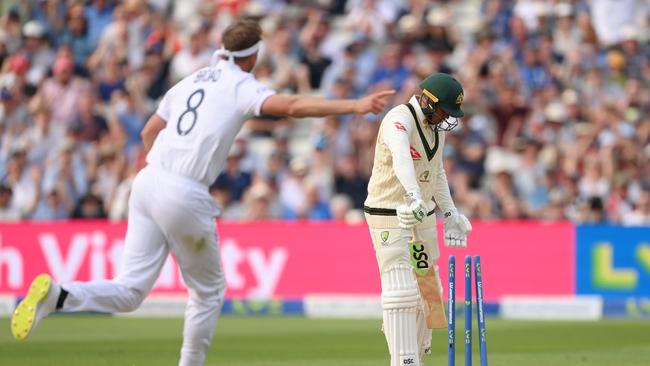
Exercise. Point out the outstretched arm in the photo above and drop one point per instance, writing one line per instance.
(308, 106)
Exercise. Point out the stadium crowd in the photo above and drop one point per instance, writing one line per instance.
(557, 102)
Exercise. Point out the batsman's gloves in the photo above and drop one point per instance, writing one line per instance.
(457, 227)
(411, 213)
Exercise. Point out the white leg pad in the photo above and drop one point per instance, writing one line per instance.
(400, 299)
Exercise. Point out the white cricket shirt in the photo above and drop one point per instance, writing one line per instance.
(204, 112)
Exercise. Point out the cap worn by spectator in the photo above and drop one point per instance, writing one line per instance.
(555, 112)
(570, 97)
(407, 24)
(33, 29)
(298, 166)
(437, 18)
(259, 191)
(563, 9)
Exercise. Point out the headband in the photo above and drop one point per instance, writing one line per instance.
(232, 54)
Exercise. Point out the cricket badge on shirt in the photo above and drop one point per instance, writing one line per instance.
(415, 155)
(384, 235)
(424, 177)
(400, 127)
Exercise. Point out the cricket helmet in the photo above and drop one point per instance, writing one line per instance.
(443, 91)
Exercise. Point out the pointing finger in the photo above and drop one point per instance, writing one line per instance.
(385, 93)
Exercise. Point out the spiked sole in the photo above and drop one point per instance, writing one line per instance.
(22, 321)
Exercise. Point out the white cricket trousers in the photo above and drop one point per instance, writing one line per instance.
(166, 212)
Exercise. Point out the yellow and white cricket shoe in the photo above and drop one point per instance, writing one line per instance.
(40, 302)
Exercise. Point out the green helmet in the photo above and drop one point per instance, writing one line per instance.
(445, 91)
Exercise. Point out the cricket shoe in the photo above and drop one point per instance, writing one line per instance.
(40, 302)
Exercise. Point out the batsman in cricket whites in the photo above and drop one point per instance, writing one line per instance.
(408, 183)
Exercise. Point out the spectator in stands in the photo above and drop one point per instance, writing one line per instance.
(349, 181)
(90, 206)
(23, 181)
(111, 77)
(233, 177)
(53, 206)
(89, 124)
(340, 206)
(38, 51)
(293, 195)
(76, 35)
(392, 70)
(640, 215)
(99, 14)
(8, 212)
(42, 138)
(313, 62)
(194, 55)
(60, 94)
(260, 203)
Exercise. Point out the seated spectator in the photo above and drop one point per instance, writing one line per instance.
(340, 206)
(99, 14)
(260, 203)
(194, 55)
(349, 181)
(53, 206)
(112, 78)
(76, 36)
(8, 212)
(60, 94)
(38, 51)
(90, 125)
(90, 206)
(293, 196)
(24, 182)
(233, 177)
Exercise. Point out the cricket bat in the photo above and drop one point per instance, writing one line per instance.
(428, 283)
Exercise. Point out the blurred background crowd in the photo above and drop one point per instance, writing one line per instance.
(557, 95)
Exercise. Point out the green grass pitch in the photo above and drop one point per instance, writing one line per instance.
(294, 341)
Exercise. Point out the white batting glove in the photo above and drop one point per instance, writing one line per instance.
(412, 213)
(456, 228)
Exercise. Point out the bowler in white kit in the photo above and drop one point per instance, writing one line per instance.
(170, 209)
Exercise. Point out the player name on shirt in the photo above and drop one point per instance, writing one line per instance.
(208, 74)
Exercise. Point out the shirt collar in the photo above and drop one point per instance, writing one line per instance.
(418, 111)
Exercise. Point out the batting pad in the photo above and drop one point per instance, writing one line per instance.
(400, 299)
(431, 293)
